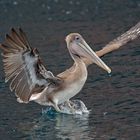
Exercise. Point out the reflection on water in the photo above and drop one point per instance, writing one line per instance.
(73, 127)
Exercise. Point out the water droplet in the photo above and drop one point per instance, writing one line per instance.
(43, 5)
(68, 12)
(109, 74)
(49, 18)
(78, 3)
(105, 113)
(48, 7)
(70, 2)
(15, 3)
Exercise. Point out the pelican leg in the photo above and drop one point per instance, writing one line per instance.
(70, 105)
(57, 108)
(68, 102)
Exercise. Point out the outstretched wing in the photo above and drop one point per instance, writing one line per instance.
(23, 66)
(130, 35)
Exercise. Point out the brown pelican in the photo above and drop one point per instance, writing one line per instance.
(31, 81)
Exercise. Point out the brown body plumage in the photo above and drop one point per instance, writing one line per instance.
(30, 80)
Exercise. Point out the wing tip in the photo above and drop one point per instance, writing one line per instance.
(13, 29)
(6, 35)
(20, 29)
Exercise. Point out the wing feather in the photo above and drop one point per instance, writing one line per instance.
(24, 38)
(17, 38)
(118, 42)
(23, 67)
(11, 42)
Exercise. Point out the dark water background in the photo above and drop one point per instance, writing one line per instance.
(114, 101)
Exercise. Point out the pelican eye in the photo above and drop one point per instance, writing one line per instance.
(77, 38)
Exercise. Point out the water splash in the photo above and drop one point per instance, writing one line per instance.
(110, 74)
(77, 105)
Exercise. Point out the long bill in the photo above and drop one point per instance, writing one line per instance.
(93, 56)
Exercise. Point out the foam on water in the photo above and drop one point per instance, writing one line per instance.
(77, 105)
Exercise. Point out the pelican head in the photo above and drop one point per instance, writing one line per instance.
(78, 47)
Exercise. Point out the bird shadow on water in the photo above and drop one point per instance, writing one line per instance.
(53, 125)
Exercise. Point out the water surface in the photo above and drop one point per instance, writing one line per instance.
(114, 101)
